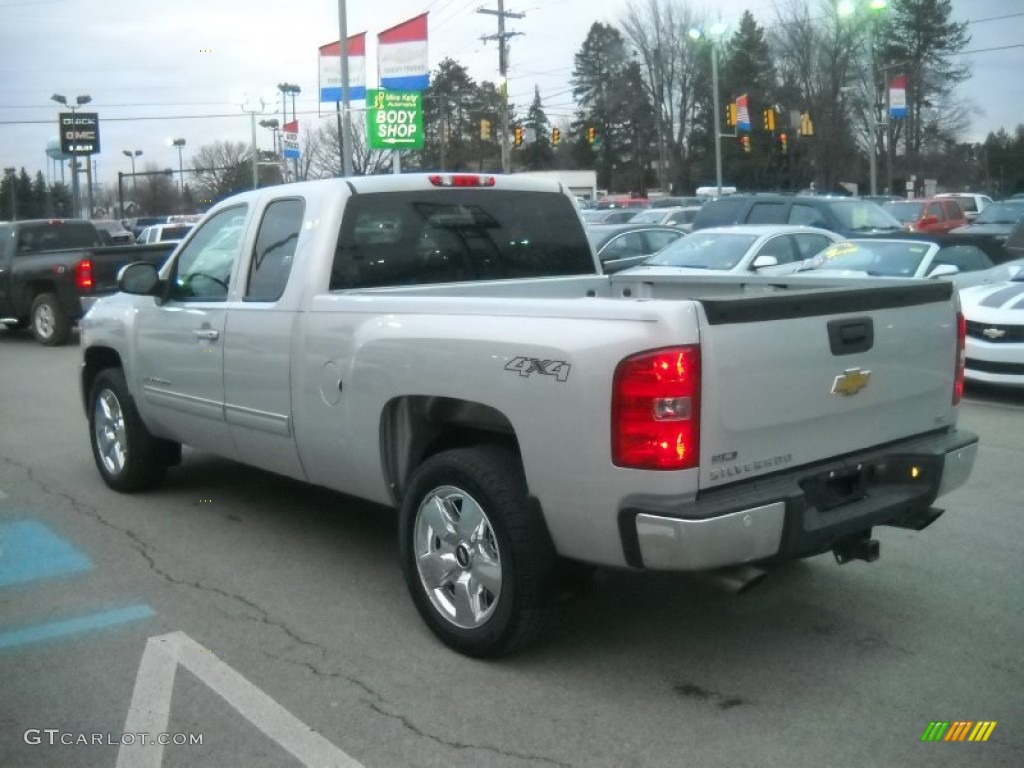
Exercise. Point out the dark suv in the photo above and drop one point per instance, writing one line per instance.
(846, 216)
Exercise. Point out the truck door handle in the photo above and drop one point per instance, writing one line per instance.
(847, 337)
(206, 333)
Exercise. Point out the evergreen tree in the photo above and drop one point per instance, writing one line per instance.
(537, 155)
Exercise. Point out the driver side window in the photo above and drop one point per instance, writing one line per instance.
(205, 265)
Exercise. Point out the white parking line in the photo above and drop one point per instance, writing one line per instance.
(150, 709)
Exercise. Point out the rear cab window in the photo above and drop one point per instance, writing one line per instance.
(767, 213)
(458, 235)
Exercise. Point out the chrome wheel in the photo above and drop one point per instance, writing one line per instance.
(45, 321)
(457, 557)
(109, 432)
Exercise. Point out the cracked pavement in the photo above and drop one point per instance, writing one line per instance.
(299, 590)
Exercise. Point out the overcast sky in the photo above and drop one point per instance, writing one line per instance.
(181, 69)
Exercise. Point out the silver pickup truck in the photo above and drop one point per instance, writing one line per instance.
(446, 345)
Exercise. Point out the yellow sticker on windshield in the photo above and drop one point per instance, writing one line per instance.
(839, 249)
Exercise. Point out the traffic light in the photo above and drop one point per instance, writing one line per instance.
(555, 136)
(783, 148)
(730, 114)
(519, 136)
(485, 129)
(745, 143)
(806, 126)
(591, 134)
(769, 119)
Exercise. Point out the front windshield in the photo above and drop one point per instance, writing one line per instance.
(648, 217)
(905, 212)
(1001, 213)
(877, 258)
(861, 215)
(704, 250)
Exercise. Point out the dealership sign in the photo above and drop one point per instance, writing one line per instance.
(394, 119)
(79, 133)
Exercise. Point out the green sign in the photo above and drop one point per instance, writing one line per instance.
(394, 119)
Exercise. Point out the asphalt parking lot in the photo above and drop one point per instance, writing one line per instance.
(270, 620)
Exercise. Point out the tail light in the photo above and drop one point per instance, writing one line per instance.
(656, 409)
(461, 180)
(961, 357)
(83, 275)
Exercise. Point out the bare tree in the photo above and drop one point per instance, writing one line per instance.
(325, 157)
(658, 32)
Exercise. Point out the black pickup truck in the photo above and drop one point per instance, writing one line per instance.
(53, 270)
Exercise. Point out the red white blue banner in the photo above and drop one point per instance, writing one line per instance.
(402, 56)
(290, 140)
(330, 69)
(898, 97)
(742, 113)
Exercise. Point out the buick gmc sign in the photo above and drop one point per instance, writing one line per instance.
(79, 133)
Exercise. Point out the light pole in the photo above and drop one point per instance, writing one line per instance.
(179, 143)
(714, 35)
(76, 203)
(285, 89)
(848, 8)
(131, 155)
(252, 119)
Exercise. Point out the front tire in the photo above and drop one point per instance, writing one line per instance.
(50, 324)
(128, 457)
(477, 557)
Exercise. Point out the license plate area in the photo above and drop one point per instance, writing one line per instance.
(836, 487)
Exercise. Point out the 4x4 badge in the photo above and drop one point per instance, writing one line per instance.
(850, 382)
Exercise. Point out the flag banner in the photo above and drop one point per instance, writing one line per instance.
(330, 69)
(898, 97)
(402, 56)
(290, 140)
(742, 113)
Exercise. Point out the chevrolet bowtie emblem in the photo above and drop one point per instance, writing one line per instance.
(993, 333)
(850, 382)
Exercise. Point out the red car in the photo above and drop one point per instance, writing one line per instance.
(938, 215)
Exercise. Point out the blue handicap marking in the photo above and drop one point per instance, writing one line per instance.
(101, 620)
(30, 551)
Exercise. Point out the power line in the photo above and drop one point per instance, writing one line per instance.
(995, 18)
(986, 50)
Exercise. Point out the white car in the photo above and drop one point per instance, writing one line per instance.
(971, 204)
(963, 263)
(738, 249)
(995, 327)
(164, 233)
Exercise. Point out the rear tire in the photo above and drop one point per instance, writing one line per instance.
(50, 324)
(477, 557)
(128, 457)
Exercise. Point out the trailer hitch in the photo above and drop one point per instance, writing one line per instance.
(860, 546)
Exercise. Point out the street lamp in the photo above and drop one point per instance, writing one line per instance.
(81, 100)
(131, 155)
(179, 143)
(252, 119)
(714, 36)
(848, 8)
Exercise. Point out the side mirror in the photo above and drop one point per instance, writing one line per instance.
(943, 270)
(764, 261)
(139, 278)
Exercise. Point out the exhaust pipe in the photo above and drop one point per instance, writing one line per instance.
(857, 547)
(734, 579)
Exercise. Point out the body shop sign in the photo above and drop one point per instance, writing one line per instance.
(394, 119)
(79, 133)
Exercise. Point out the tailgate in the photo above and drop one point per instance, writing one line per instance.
(789, 380)
(107, 262)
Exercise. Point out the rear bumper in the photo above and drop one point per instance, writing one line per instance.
(801, 512)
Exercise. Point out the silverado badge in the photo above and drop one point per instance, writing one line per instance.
(850, 382)
(993, 333)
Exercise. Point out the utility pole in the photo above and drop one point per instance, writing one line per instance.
(502, 38)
